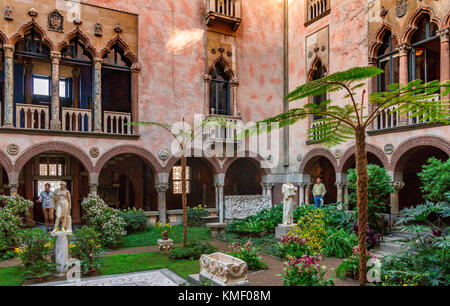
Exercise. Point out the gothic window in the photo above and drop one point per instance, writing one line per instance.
(219, 91)
(319, 73)
(32, 44)
(76, 50)
(177, 179)
(388, 60)
(425, 54)
(50, 166)
(316, 9)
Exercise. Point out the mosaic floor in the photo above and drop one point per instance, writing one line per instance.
(163, 277)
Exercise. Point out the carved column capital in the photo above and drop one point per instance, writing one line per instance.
(8, 51)
(340, 184)
(55, 57)
(444, 34)
(398, 185)
(403, 49)
(162, 187)
(136, 68)
(97, 62)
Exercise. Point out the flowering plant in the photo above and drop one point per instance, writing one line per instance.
(305, 271)
(350, 266)
(249, 254)
(86, 246)
(105, 220)
(312, 227)
(11, 221)
(164, 229)
(36, 253)
(293, 245)
(195, 215)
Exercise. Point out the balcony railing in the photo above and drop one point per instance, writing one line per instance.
(29, 116)
(316, 9)
(115, 123)
(315, 135)
(388, 118)
(226, 131)
(76, 120)
(225, 11)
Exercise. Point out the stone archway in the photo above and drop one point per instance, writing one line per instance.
(6, 168)
(374, 156)
(242, 177)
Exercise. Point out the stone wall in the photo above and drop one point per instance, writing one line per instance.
(240, 207)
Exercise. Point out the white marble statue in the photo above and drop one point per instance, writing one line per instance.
(63, 205)
(289, 191)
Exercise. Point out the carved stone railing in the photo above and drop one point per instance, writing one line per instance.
(419, 119)
(29, 116)
(316, 9)
(76, 119)
(242, 206)
(315, 135)
(388, 118)
(115, 123)
(226, 131)
(226, 11)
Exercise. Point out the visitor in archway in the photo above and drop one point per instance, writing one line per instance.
(45, 198)
(319, 192)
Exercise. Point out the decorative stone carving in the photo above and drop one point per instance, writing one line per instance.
(63, 205)
(299, 157)
(9, 13)
(135, 68)
(163, 154)
(221, 49)
(403, 49)
(401, 8)
(118, 28)
(388, 149)
(229, 53)
(32, 12)
(240, 207)
(12, 149)
(444, 34)
(94, 152)
(165, 245)
(213, 51)
(383, 12)
(56, 21)
(98, 29)
(398, 185)
(338, 154)
(223, 270)
(77, 21)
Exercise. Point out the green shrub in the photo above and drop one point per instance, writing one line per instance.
(105, 220)
(86, 247)
(435, 177)
(36, 252)
(195, 215)
(339, 243)
(11, 220)
(248, 253)
(379, 188)
(350, 266)
(135, 220)
(193, 250)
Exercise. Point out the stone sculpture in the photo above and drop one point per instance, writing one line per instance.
(289, 191)
(63, 205)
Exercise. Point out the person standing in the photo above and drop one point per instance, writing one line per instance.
(46, 199)
(319, 192)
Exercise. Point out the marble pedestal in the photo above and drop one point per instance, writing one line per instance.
(165, 245)
(61, 251)
(282, 229)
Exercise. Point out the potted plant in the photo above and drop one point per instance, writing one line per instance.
(164, 229)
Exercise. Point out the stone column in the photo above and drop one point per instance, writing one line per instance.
(301, 193)
(28, 84)
(162, 189)
(135, 70)
(340, 191)
(445, 55)
(55, 123)
(264, 189)
(76, 87)
(346, 195)
(9, 83)
(98, 95)
(93, 183)
(398, 185)
(403, 51)
(233, 97)
(307, 193)
(221, 202)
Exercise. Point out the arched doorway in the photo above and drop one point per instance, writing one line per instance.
(410, 163)
(243, 178)
(200, 185)
(321, 166)
(53, 167)
(122, 186)
(4, 181)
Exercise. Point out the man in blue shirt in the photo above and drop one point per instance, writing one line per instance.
(45, 198)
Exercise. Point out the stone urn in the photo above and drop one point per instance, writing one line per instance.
(223, 269)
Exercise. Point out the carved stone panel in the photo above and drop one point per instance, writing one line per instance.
(317, 46)
(240, 207)
(401, 8)
(56, 21)
(9, 13)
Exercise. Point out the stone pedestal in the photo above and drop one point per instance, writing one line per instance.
(223, 270)
(61, 250)
(216, 228)
(282, 229)
(165, 245)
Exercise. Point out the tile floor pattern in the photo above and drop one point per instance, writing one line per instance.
(163, 277)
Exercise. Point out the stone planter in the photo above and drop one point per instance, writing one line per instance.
(165, 245)
(223, 269)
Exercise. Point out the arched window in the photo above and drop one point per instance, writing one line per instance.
(388, 60)
(320, 72)
(76, 51)
(219, 91)
(32, 45)
(425, 52)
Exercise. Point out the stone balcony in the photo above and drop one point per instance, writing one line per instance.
(225, 132)
(223, 11)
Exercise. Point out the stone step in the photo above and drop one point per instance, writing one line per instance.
(194, 279)
(390, 247)
(210, 219)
